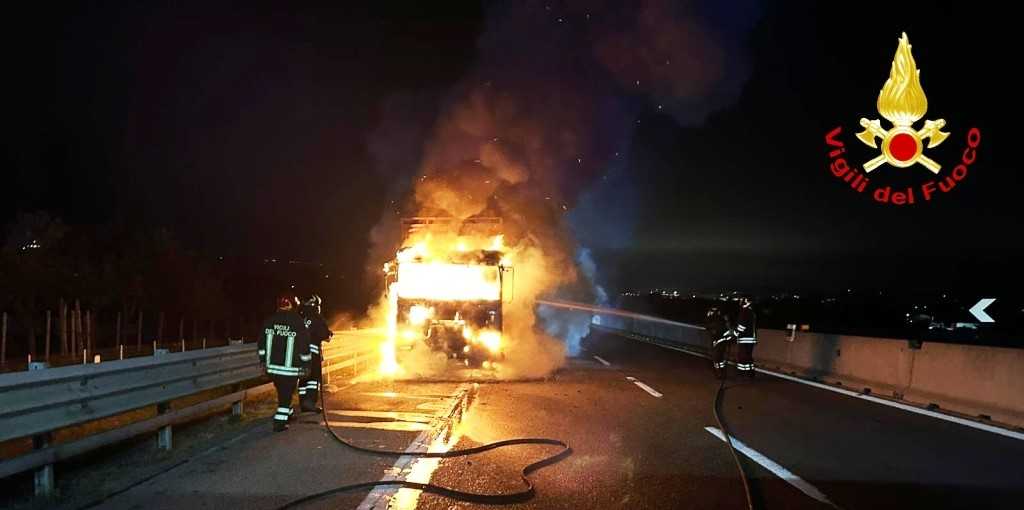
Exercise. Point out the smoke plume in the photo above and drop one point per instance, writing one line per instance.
(546, 115)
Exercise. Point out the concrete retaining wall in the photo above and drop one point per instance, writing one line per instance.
(966, 379)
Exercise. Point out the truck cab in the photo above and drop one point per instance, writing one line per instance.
(447, 285)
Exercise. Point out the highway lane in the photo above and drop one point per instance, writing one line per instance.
(859, 453)
(631, 449)
(263, 470)
(639, 418)
(636, 448)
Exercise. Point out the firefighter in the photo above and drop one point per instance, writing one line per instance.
(309, 386)
(284, 352)
(745, 332)
(718, 329)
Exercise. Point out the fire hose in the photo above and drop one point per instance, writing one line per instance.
(732, 449)
(468, 497)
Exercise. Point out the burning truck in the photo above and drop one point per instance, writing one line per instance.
(446, 288)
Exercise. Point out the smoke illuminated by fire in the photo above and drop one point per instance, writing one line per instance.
(538, 121)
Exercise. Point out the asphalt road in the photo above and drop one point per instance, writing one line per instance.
(639, 419)
(633, 449)
(264, 470)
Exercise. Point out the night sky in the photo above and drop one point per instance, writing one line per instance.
(263, 131)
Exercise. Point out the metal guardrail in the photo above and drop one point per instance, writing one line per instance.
(37, 402)
(64, 451)
(350, 350)
(40, 401)
(637, 326)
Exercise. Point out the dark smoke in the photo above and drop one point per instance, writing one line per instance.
(539, 132)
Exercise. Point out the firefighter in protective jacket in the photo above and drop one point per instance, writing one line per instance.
(718, 328)
(745, 332)
(284, 352)
(309, 386)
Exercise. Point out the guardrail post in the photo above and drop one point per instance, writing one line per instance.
(3, 342)
(238, 408)
(43, 475)
(163, 436)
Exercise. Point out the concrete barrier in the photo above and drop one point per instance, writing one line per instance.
(978, 381)
(974, 380)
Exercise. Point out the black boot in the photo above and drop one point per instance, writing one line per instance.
(308, 404)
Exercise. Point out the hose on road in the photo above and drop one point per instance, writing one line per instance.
(728, 440)
(468, 497)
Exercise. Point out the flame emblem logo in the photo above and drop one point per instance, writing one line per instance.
(902, 102)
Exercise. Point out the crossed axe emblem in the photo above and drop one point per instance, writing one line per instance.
(902, 146)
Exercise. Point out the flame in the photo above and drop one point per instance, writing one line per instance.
(418, 314)
(902, 100)
(388, 362)
(491, 339)
(425, 270)
(448, 282)
(437, 267)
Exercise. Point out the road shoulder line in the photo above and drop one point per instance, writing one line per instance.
(380, 497)
(776, 468)
(898, 405)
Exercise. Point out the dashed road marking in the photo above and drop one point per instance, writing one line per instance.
(654, 393)
(603, 362)
(906, 407)
(773, 466)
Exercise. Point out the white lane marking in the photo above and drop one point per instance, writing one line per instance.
(388, 415)
(906, 407)
(773, 466)
(409, 467)
(654, 393)
(400, 426)
(383, 494)
(603, 362)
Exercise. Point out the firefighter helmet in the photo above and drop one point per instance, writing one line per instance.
(287, 301)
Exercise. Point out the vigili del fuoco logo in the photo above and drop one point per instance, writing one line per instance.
(902, 147)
